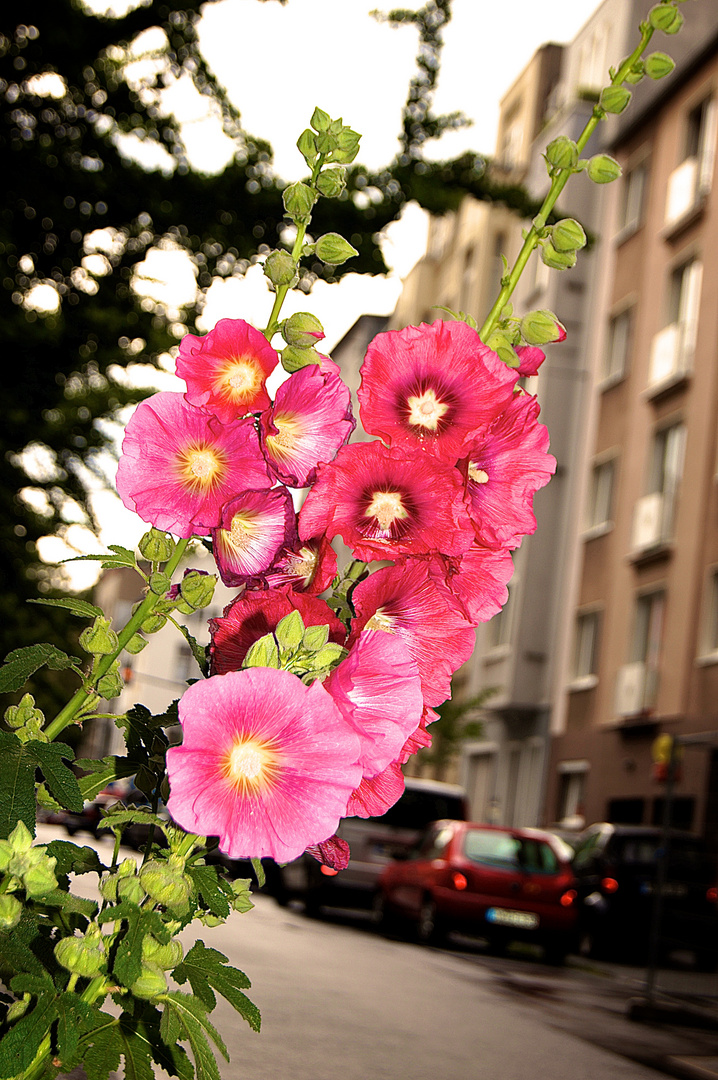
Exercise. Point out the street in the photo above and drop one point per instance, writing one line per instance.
(340, 1002)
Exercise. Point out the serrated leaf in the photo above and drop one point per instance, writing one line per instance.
(208, 970)
(16, 956)
(20, 664)
(70, 903)
(127, 817)
(128, 958)
(198, 651)
(81, 608)
(137, 1053)
(103, 772)
(196, 1027)
(74, 1019)
(102, 1051)
(169, 1025)
(60, 779)
(205, 879)
(72, 859)
(20, 1044)
(35, 983)
(17, 785)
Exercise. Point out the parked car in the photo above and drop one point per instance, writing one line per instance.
(616, 868)
(373, 842)
(498, 883)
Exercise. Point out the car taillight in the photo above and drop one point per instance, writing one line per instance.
(609, 884)
(712, 894)
(459, 880)
(328, 870)
(568, 898)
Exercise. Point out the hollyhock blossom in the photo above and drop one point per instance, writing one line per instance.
(310, 419)
(478, 579)
(179, 465)
(387, 503)
(376, 794)
(431, 386)
(333, 852)
(252, 529)
(255, 614)
(267, 764)
(531, 358)
(420, 738)
(405, 600)
(226, 369)
(378, 691)
(504, 467)
(310, 566)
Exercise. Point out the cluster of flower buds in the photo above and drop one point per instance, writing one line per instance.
(23, 867)
(26, 720)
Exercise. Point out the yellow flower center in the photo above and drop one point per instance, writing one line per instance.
(251, 764)
(303, 565)
(387, 507)
(479, 476)
(201, 466)
(243, 530)
(290, 429)
(240, 379)
(425, 410)
(380, 621)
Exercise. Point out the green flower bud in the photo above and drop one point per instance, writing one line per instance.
(129, 888)
(18, 1008)
(602, 169)
(320, 120)
(152, 981)
(153, 623)
(262, 653)
(40, 879)
(557, 260)
(298, 201)
(159, 583)
(501, 343)
(636, 73)
(166, 956)
(21, 838)
(17, 716)
(614, 99)
(295, 357)
(302, 329)
(289, 632)
(658, 65)
(666, 18)
(6, 854)
(108, 887)
(166, 885)
(562, 153)
(99, 639)
(567, 235)
(541, 327)
(136, 644)
(80, 955)
(241, 895)
(197, 588)
(111, 684)
(334, 249)
(307, 146)
(331, 182)
(347, 143)
(280, 269)
(156, 546)
(315, 638)
(329, 656)
(10, 911)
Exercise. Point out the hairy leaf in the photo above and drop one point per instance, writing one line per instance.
(208, 970)
(17, 785)
(102, 772)
(81, 608)
(20, 664)
(196, 1027)
(19, 1046)
(72, 859)
(74, 1018)
(206, 880)
(60, 779)
(103, 1049)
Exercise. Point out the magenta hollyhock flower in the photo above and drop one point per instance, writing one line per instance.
(386, 503)
(431, 386)
(531, 358)
(420, 738)
(405, 600)
(378, 691)
(267, 764)
(310, 419)
(504, 467)
(179, 465)
(252, 529)
(226, 369)
(478, 579)
(376, 794)
(254, 614)
(310, 566)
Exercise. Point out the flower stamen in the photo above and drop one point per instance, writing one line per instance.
(425, 410)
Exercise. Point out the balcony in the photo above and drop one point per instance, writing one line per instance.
(683, 193)
(636, 687)
(652, 523)
(671, 357)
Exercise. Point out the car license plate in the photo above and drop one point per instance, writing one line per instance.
(526, 920)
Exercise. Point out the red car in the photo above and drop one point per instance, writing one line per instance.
(501, 884)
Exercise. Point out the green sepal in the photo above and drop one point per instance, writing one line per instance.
(289, 632)
(262, 653)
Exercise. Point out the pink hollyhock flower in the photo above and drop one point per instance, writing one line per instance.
(376, 794)
(226, 369)
(386, 503)
(267, 764)
(333, 852)
(419, 738)
(531, 358)
(179, 465)
(504, 467)
(478, 579)
(431, 386)
(252, 529)
(310, 567)
(405, 600)
(310, 419)
(255, 614)
(378, 692)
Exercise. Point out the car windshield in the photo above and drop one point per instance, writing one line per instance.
(509, 852)
(417, 809)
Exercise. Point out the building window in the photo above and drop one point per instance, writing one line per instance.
(692, 178)
(615, 359)
(634, 187)
(498, 628)
(646, 643)
(585, 650)
(672, 347)
(655, 512)
(571, 793)
(710, 634)
(601, 495)
(682, 812)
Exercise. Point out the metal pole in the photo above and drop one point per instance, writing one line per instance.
(661, 877)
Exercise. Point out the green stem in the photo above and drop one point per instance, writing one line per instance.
(282, 290)
(558, 183)
(67, 715)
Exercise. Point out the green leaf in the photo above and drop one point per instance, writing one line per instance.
(20, 1044)
(103, 772)
(120, 556)
(81, 608)
(126, 817)
(137, 1052)
(61, 780)
(17, 785)
(198, 651)
(207, 969)
(20, 664)
(102, 1052)
(196, 1027)
(259, 872)
(206, 881)
(74, 1018)
(78, 905)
